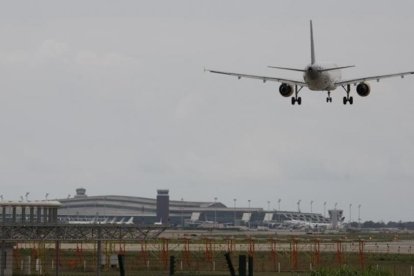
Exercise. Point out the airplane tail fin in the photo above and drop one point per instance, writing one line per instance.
(312, 44)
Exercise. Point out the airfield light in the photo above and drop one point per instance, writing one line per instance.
(324, 209)
(311, 203)
(278, 203)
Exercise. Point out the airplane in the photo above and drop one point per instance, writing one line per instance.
(308, 224)
(130, 221)
(317, 77)
(105, 221)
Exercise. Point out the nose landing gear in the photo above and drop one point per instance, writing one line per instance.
(329, 98)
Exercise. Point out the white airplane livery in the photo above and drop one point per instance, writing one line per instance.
(318, 77)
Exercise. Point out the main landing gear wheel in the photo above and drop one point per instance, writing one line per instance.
(296, 100)
(348, 99)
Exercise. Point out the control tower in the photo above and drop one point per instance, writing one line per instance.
(336, 217)
(163, 206)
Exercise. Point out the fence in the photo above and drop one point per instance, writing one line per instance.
(201, 255)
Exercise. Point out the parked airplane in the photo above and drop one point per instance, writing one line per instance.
(308, 225)
(105, 221)
(122, 221)
(318, 77)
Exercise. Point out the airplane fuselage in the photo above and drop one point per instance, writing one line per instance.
(319, 80)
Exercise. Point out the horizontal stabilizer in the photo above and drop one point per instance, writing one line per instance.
(335, 68)
(285, 68)
(319, 70)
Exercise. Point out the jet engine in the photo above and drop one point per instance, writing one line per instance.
(286, 90)
(363, 89)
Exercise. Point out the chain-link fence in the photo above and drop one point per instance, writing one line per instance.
(198, 256)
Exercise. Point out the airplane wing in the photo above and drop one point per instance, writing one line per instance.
(355, 81)
(263, 78)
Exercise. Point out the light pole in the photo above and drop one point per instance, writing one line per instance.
(350, 213)
(182, 215)
(234, 212)
(268, 205)
(215, 212)
(278, 203)
(249, 208)
(324, 209)
(298, 203)
(336, 204)
(46, 195)
(311, 203)
(359, 215)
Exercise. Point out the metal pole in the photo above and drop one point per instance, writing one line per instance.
(250, 268)
(229, 264)
(57, 254)
(242, 265)
(234, 212)
(182, 215)
(215, 213)
(98, 252)
(3, 256)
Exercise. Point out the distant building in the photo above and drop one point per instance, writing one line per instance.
(15, 213)
(115, 208)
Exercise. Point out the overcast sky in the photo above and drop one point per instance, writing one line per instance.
(111, 96)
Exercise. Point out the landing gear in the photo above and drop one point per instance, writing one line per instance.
(297, 99)
(348, 99)
(329, 99)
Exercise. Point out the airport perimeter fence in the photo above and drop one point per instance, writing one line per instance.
(200, 257)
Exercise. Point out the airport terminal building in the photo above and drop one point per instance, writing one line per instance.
(180, 213)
